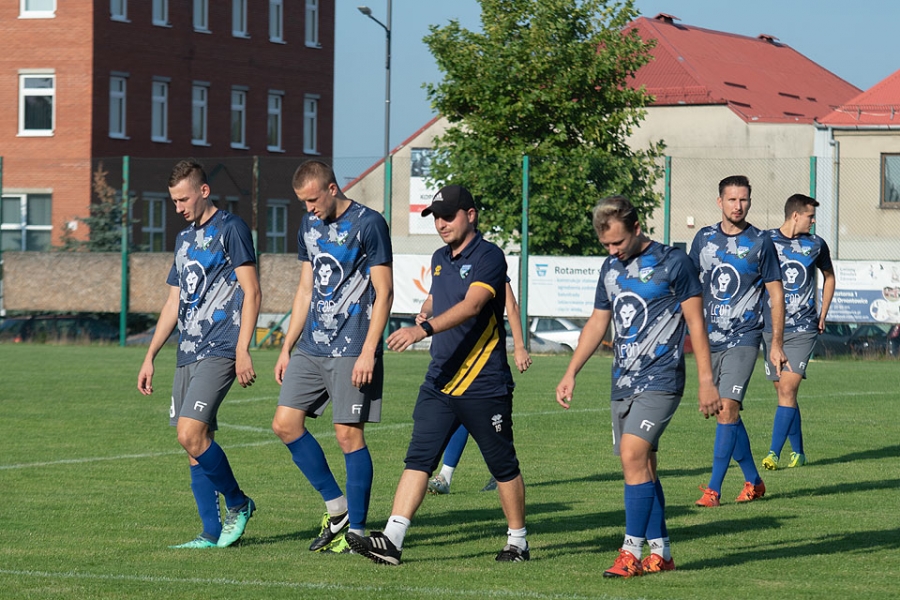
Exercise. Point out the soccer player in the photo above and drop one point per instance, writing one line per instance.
(737, 263)
(440, 483)
(341, 308)
(214, 299)
(468, 380)
(651, 291)
(800, 254)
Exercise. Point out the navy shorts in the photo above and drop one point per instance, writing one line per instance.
(489, 421)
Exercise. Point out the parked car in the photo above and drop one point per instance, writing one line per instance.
(563, 331)
(863, 339)
(58, 328)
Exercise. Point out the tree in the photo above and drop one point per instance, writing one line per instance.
(546, 78)
(104, 222)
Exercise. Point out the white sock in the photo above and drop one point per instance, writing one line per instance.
(395, 530)
(336, 507)
(661, 546)
(634, 544)
(447, 473)
(516, 537)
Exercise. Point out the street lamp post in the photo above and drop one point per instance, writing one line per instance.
(387, 106)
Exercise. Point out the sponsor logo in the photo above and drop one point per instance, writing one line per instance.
(648, 425)
(724, 281)
(497, 422)
(437, 271)
(737, 389)
(356, 409)
(199, 406)
(541, 269)
(422, 282)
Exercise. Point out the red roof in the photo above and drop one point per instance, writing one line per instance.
(760, 79)
(879, 106)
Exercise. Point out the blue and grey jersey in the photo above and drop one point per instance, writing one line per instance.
(209, 313)
(799, 257)
(733, 272)
(644, 295)
(342, 253)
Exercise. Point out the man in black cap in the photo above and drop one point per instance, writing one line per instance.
(468, 381)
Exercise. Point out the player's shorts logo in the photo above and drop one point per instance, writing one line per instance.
(724, 282)
(630, 312)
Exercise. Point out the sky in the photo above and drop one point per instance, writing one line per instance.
(853, 40)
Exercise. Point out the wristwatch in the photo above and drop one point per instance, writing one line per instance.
(429, 330)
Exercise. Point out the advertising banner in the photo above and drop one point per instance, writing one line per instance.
(420, 192)
(866, 292)
(562, 286)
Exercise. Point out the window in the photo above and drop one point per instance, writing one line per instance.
(276, 226)
(153, 224)
(274, 123)
(25, 222)
(199, 110)
(890, 180)
(37, 9)
(312, 23)
(118, 10)
(117, 89)
(276, 20)
(159, 118)
(238, 118)
(310, 124)
(161, 12)
(201, 15)
(36, 103)
(239, 18)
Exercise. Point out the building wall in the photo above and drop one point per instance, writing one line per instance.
(57, 164)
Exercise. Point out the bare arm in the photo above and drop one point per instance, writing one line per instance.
(708, 395)
(383, 282)
(827, 294)
(425, 311)
(248, 278)
(590, 339)
(477, 296)
(168, 320)
(299, 312)
(520, 353)
(776, 352)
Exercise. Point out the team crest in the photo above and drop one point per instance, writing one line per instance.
(464, 271)
(742, 251)
(805, 251)
(645, 274)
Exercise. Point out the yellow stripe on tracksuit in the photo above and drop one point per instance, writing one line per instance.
(475, 361)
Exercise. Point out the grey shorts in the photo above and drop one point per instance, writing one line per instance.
(732, 369)
(798, 347)
(645, 415)
(312, 382)
(199, 388)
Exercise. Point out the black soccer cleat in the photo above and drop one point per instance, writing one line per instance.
(376, 547)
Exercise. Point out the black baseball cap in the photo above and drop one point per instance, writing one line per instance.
(448, 201)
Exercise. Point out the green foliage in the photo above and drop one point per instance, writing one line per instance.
(546, 78)
(105, 222)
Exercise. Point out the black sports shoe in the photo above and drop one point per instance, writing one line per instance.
(376, 547)
(331, 527)
(512, 553)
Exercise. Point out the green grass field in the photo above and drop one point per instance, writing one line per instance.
(95, 487)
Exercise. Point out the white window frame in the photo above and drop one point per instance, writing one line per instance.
(239, 19)
(22, 226)
(200, 113)
(239, 109)
(118, 97)
(150, 230)
(311, 24)
(276, 21)
(118, 10)
(200, 16)
(274, 208)
(29, 13)
(275, 112)
(159, 122)
(160, 11)
(25, 75)
(311, 124)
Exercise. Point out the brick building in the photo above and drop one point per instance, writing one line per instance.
(245, 86)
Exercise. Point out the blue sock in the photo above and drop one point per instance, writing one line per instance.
(455, 446)
(639, 501)
(656, 526)
(359, 486)
(722, 451)
(207, 499)
(783, 417)
(743, 456)
(215, 466)
(795, 433)
(308, 456)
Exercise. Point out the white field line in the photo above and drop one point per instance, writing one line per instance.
(300, 585)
